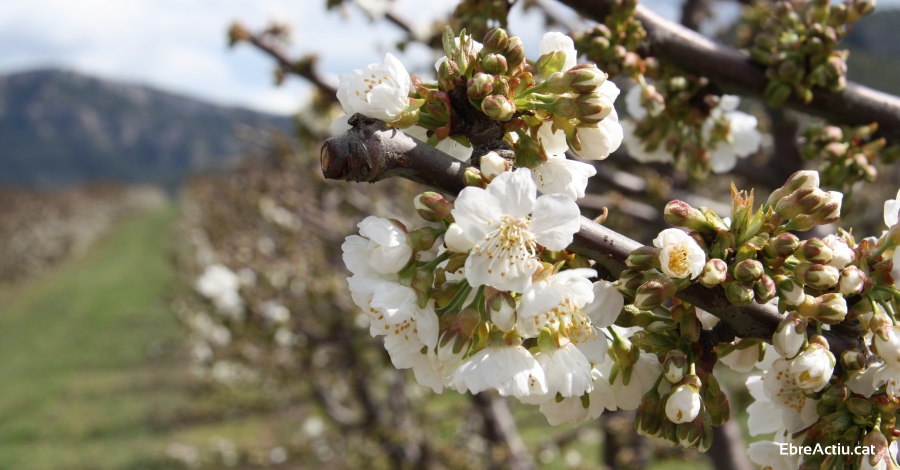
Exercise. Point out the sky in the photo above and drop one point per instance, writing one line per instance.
(180, 45)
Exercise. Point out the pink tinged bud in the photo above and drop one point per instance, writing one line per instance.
(499, 108)
(830, 308)
(456, 240)
(853, 281)
(682, 214)
(492, 164)
(494, 64)
(815, 251)
(765, 289)
(714, 273)
(831, 211)
(480, 86)
(748, 270)
(790, 336)
(515, 52)
(683, 405)
(496, 40)
(584, 78)
(653, 293)
(781, 246)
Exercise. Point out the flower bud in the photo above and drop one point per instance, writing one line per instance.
(433, 207)
(831, 210)
(739, 293)
(853, 360)
(853, 281)
(515, 52)
(765, 289)
(447, 75)
(593, 107)
(629, 282)
(684, 404)
(492, 164)
(501, 308)
(644, 258)
(881, 455)
(715, 271)
(473, 177)
(479, 86)
(499, 108)
(815, 251)
(827, 308)
(675, 366)
(812, 369)
(654, 292)
(790, 335)
(682, 214)
(789, 290)
(748, 270)
(887, 344)
(584, 78)
(550, 63)
(496, 40)
(817, 276)
(802, 201)
(456, 240)
(494, 64)
(781, 246)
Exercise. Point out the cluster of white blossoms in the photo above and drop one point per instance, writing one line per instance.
(220, 285)
(728, 134)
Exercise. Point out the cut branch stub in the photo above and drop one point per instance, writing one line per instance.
(372, 152)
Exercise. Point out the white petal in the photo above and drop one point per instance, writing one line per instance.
(515, 192)
(555, 221)
(606, 306)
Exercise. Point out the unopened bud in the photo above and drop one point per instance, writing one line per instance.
(448, 72)
(800, 179)
(501, 308)
(827, 308)
(456, 240)
(815, 251)
(550, 63)
(675, 366)
(584, 78)
(593, 107)
(789, 290)
(494, 64)
(817, 276)
(853, 280)
(684, 404)
(629, 282)
(739, 293)
(515, 53)
(748, 270)
(765, 289)
(480, 86)
(831, 210)
(714, 273)
(881, 457)
(433, 207)
(644, 258)
(853, 360)
(654, 292)
(801, 201)
(492, 164)
(782, 246)
(473, 177)
(498, 108)
(496, 40)
(682, 214)
(790, 335)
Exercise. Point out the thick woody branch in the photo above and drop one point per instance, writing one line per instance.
(372, 152)
(733, 72)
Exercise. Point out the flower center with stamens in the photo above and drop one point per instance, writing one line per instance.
(512, 241)
(678, 261)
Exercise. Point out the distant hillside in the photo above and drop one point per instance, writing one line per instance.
(59, 128)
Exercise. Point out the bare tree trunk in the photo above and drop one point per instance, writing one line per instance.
(500, 428)
(623, 448)
(729, 451)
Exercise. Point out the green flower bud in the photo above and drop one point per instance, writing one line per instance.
(494, 64)
(498, 108)
(817, 276)
(480, 86)
(496, 41)
(801, 201)
(739, 293)
(827, 308)
(515, 53)
(448, 72)
(765, 289)
(584, 78)
(675, 366)
(782, 246)
(748, 270)
(682, 214)
(714, 273)
(814, 251)
(654, 292)
(433, 207)
(644, 258)
(550, 63)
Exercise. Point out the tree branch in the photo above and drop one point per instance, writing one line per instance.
(372, 152)
(733, 72)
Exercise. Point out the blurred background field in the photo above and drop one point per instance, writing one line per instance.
(116, 197)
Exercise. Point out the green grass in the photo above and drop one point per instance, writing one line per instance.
(93, 372)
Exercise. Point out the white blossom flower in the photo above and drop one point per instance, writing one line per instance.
(768, 455)
(604, 309)
(864, 382)
(505, 222)
(633, 103)
(554, 143)
(511, 370)
(892, 211)
(492, 164)
(220, 285)
(385, 301)
(567, 372)
(680, 256)
(743, 138)
(683, 405)
(764, 416)
(637, 149)
(456, 239)
(598, 142)
(382, 248)
(842, 254)
(798, 411)
(812, 368)
(559, 175)
(561, 293)
(741, 359)
(554, 41)
(449, 146)
(572, 410)
(643, 376)
(405, 342)
(787, 341)
(379, 91)
(887, 345)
